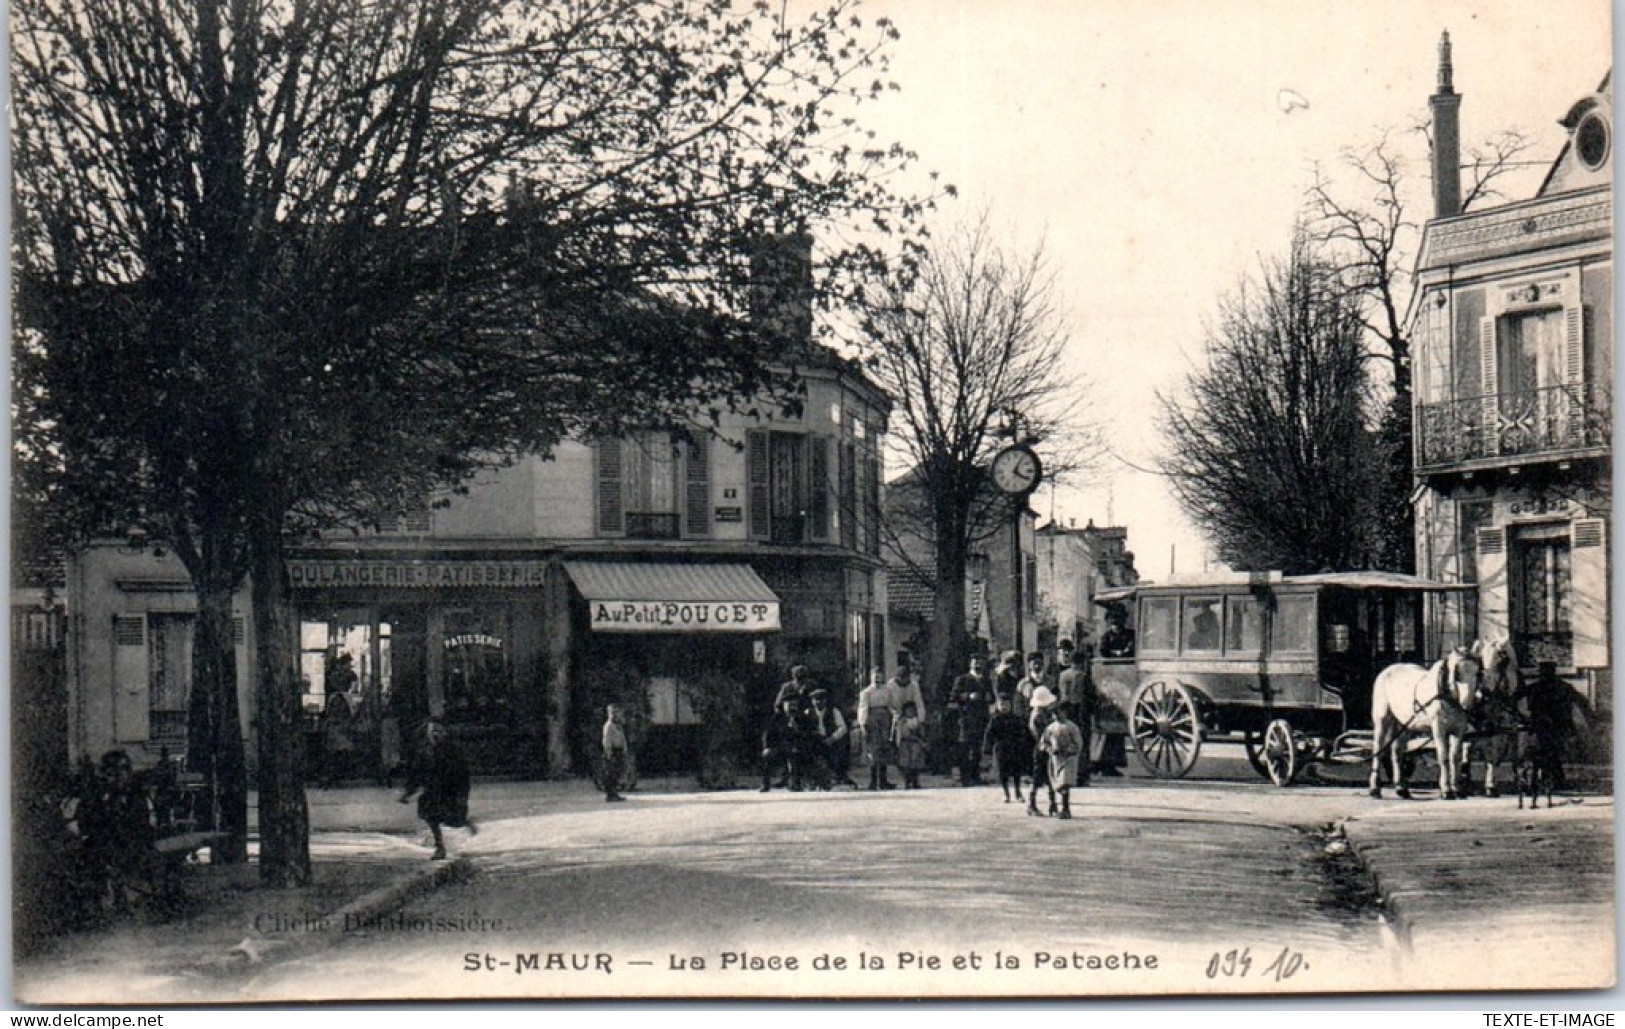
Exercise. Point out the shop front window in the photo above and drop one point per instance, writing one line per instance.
(476, 671)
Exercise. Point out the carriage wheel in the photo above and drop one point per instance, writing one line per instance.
(1280, 752)
(1167, 733)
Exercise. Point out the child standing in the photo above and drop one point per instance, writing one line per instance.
(1063, 742)
(1007, 740)
(909, 737)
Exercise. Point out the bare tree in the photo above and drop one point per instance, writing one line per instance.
(971, 346)
(285, 265)
(1364, 223)
(1268, 451)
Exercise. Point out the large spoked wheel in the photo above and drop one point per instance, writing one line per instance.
(1280, 752)
(1166, 730)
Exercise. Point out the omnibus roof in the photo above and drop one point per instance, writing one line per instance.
(1348, 580)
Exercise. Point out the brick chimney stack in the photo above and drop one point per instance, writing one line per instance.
(1446, 105)
(781, 291)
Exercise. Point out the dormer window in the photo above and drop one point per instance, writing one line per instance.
(1592, 140)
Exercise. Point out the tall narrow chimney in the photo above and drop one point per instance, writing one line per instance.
(781, 290)
(1446, 105)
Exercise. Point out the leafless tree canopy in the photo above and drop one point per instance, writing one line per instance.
(1268, 450)
(1364, 218)
(970, 344)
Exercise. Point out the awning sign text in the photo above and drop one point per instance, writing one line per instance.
(684, 616)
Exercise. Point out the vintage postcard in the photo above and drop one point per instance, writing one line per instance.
(883, 499)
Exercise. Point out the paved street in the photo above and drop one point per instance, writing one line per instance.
(1216, 884)
(1212, 880)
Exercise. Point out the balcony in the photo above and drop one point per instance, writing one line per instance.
(650, 525)
(1556, 422)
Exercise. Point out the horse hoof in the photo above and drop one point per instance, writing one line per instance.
(1376, 793)
(1403, 793)
(1492, 792)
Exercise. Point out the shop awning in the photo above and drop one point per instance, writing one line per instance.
(633, 596)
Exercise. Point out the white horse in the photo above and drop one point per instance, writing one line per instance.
(1406, 697)
(1498, 709)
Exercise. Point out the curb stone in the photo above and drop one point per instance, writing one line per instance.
(1395, 903)
(257, 950)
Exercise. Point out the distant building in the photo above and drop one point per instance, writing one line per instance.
(1072, 566)
(1512, 329)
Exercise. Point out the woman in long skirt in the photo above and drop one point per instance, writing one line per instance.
(441, 774)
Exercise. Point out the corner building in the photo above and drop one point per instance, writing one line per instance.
(1512, 329)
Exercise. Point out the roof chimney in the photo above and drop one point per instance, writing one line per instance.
(1446, 105)
(781, 290)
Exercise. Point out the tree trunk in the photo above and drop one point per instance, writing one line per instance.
(214, 732)
(947, 644)
(284, 817)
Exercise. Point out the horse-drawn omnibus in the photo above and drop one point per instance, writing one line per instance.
(1284, 663)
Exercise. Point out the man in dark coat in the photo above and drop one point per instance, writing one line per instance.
(783, 742)
(972, 697)
(1077, 691)
(441, 774)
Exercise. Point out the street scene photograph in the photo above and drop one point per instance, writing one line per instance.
(580, 500)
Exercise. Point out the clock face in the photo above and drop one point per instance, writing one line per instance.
(1015, 470)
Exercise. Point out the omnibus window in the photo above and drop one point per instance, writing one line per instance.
(1157, 623)
(1294, 624)
(1202, 623)
(1243, 625)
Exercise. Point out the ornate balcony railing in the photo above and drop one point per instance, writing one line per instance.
(1553, 420)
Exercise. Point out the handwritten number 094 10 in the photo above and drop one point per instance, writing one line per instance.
(1238, 963)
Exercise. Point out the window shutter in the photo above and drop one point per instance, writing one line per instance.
(131, 685)
(1492, 583)
(818, 486)
(1489, 383)
(1573, 347)
(611, 480)
(847, 514)
(1588, 616)
(697, 486)
(871, 505)
(758, 512)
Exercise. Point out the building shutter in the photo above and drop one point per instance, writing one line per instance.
(1489, 384)
(847, 514)
(758, 512)
(611, 487)
(818, 486)
(131, 683)
(871, 505)
(697, 486)
(1589, 606)
(1573, 347)
(1492, 583)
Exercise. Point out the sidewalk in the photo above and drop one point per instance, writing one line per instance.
(369, 857)
(1546, 875)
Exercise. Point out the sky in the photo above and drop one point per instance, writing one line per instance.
(1143, 142)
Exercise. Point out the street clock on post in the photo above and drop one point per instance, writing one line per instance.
(1016, 470)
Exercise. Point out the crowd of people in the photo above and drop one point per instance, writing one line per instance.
(1037, 734)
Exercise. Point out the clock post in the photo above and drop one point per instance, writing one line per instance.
(1016, 473)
